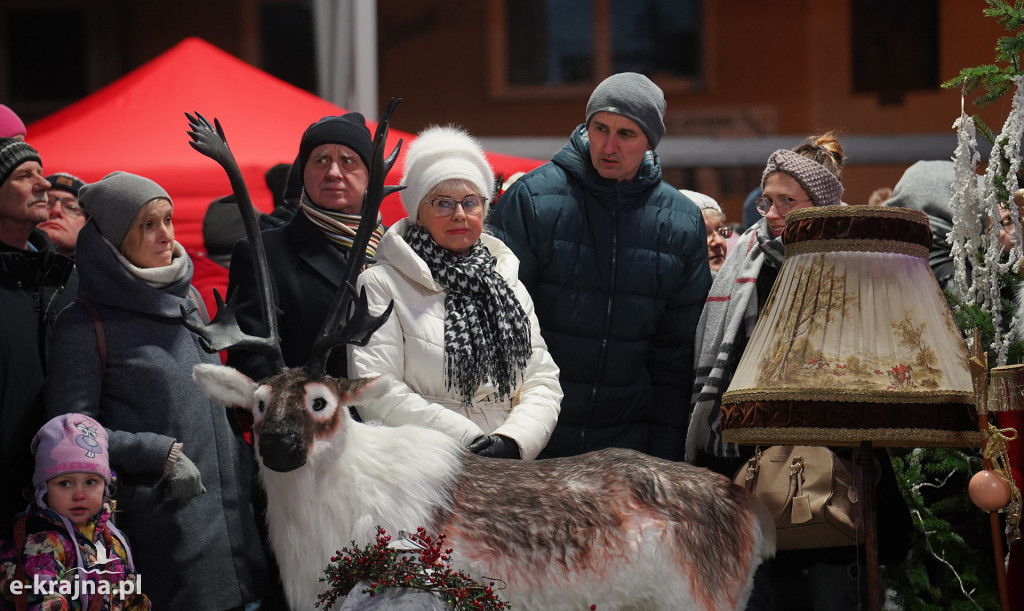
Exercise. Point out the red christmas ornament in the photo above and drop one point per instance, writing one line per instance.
(988, 490)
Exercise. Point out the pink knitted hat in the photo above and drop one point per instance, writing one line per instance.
(67, 444)
(11, 124)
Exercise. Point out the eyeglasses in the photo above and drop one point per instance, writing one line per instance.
(782, 205)
(69, 204)
(725, 232)
(472, 205)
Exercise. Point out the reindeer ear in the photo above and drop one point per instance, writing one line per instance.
(225, 385)
(362, 390)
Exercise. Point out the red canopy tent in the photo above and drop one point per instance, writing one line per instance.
(138, 124)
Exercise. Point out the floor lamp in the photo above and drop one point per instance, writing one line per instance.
(856, 346)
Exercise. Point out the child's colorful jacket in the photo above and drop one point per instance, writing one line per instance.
(51, 562)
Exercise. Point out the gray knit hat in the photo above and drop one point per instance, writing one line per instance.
(14, 152)
(115, 199)
(822, 186)
(635, 97)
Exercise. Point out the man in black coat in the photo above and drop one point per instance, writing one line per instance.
(308, 255)
(33, 278)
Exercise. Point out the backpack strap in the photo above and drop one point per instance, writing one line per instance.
(101, 337)
(193, 292)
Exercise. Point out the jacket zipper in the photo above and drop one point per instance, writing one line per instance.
(607, 328)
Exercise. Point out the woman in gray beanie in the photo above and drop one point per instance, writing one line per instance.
(121, 355)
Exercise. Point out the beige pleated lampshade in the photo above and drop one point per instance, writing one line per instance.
(856, 341)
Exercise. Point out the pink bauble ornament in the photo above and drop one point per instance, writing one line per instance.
(988, 490)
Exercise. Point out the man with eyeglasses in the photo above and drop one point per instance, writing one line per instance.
(307, 255)
(66, 217)
(33, 277)
(616, 261)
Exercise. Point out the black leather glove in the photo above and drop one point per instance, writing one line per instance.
(495, 446)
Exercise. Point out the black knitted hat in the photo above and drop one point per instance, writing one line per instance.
(349, 129)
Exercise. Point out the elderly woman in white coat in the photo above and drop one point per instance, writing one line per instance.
(463, 347)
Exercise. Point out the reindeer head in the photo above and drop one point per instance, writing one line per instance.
(291, 411)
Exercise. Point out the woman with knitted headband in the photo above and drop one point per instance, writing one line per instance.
(462, 346)
(809, 175)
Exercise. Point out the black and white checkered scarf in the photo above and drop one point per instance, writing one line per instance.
(486, 332)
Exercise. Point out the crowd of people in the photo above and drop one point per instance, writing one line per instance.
(578, 310)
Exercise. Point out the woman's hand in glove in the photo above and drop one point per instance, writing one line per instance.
(184, 481)
(495, 446)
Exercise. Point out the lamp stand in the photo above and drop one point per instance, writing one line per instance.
(997, 536)
(866, 460)
(980, 377)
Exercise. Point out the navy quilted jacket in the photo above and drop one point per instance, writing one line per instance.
(618, 272)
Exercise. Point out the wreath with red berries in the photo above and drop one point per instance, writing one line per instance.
(419, 562)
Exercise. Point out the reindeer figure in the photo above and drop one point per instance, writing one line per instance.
(614, 528)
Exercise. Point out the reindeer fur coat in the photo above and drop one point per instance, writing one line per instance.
(203, 553)
(409, 348)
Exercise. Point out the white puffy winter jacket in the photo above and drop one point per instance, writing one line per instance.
(410, 349)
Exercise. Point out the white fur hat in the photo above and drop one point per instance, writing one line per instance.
(441, 153)
(704, 202)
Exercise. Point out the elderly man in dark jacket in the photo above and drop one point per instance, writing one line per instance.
(616, 261)
(33, 278)
(307, 256)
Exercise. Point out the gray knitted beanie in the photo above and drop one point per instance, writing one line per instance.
(635, 97)
(822, 186)
(113, 201)
(14, 152)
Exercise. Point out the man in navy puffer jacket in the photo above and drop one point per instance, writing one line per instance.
(616, 262)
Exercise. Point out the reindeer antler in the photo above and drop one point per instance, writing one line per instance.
(223, 331)
(360, 324)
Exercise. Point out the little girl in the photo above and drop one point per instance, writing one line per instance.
(67, 554)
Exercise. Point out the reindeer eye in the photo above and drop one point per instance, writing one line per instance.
(319, 404)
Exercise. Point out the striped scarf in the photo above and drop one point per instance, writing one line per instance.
(486, 332)
(340, 228)
(730, 309)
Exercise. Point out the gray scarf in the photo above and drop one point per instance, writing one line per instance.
(730, 309)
